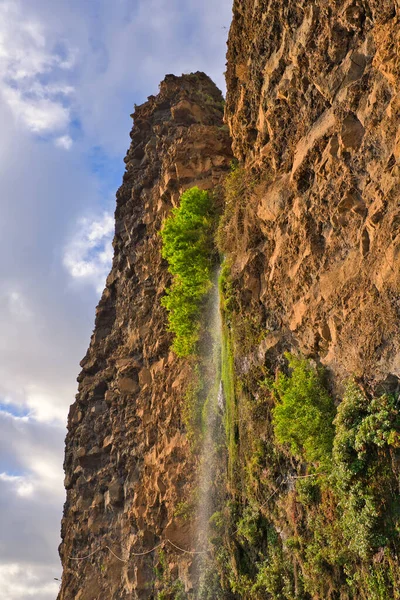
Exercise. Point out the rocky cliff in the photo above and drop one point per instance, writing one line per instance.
(313, 105)
(127, 461)
(310, 232)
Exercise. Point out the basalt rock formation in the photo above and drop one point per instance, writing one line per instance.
(313, 105)
(311, 237)
(127, 459)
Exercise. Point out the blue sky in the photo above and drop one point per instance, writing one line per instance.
(70, 73)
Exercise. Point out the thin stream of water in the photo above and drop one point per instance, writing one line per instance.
(210, 462)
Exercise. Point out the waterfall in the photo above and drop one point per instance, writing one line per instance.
(212, 470)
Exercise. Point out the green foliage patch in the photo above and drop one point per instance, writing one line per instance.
(303, 416)
(230, 413)
(365, 447)
(187, 236)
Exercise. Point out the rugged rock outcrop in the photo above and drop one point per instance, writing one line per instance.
(311, 233)
(313, 105)
(127, 462)
(312, 239)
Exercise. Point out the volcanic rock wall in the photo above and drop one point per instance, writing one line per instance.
(313, 105)
(127, 459)
(311, 233)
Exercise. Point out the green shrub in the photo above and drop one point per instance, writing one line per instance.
(248, 527)
(303, 416)
(188, 247)
(275, 576)
(308, 491)
(367, 431)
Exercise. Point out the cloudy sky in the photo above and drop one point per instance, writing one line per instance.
(70, 72)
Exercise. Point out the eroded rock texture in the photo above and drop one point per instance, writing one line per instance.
(127, 461)
(314, 109)
(313, 106)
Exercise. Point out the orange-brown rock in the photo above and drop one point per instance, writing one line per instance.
(313, 105)
(127, 459)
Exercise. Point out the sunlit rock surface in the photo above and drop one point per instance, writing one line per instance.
(313, 105)
(127, 459)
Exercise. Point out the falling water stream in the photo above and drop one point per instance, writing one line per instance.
(211, 470)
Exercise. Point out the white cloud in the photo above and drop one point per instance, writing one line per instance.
(36, 467)
(43, 404)
(65, 141)
(28, 56)
(23, 486)
(35, 351)
(40, 115)
(15, 63)
(89, 254)
(19, 582)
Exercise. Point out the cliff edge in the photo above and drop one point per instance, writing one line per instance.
(309, 292)
(127, 458)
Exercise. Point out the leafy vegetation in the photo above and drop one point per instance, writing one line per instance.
(188, 247)
(366, 440)
(169, 587)
(303, 416)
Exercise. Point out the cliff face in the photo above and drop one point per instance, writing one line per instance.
(313, 105)
(127, 459)
(311, 234)
(311, 237)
